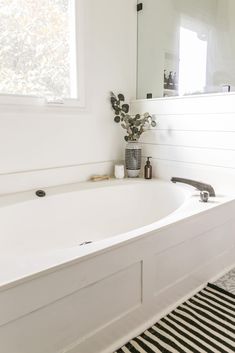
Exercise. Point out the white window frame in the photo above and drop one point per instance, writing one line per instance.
(34, 101)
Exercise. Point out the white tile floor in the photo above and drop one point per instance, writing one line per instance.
(227, 282)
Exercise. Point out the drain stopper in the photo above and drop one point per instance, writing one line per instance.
(40, 193)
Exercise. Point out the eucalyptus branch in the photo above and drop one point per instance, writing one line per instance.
(134, 125)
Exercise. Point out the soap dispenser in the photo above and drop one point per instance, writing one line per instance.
(148, 169)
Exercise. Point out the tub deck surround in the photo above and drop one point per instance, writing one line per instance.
(152, 240)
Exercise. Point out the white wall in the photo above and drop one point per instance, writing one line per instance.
(38, 139)
(194, 138)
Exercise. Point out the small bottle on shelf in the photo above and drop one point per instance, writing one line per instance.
(148, 169)
(170, 82)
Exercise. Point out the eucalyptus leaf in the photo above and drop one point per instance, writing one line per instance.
(135, 130)
(121, 97)
(117, 119)
(113, 100)
(125, 108)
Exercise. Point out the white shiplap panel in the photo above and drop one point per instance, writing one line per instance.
(199, 122)
(194, 137)
(221, 158)
(206, 104)
(222, 179)
(201, 139)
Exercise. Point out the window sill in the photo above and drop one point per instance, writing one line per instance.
(37, 103)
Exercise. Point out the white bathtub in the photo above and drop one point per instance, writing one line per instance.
(152, 244)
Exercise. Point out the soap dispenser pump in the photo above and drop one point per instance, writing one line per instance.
(148, 169)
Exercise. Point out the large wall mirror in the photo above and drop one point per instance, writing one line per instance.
(185, 47)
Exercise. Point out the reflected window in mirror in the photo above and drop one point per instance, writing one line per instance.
(192, 62)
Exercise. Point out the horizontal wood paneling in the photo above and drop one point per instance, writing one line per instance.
(201, 139)
(220, 158)
(206, 104)
(196, 122)
(194, 137)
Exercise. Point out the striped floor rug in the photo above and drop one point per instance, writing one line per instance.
(203, 324)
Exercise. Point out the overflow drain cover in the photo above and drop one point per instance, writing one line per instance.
(40, 193)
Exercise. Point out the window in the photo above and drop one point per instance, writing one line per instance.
(38, 48)
(193, 62)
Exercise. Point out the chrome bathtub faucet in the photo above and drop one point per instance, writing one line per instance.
(197, 184)
(204, 196)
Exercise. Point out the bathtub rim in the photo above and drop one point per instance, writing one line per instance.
(181, 214)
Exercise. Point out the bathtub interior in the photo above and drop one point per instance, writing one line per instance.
(87, 213)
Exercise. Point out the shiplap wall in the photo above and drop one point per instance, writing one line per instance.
(194, 138)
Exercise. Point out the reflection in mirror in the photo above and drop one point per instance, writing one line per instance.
(185, 47)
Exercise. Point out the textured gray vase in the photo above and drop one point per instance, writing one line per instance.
(133, 159)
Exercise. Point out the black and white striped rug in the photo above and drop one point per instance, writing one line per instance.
(203, 324)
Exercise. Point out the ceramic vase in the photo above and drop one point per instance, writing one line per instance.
(133, 159)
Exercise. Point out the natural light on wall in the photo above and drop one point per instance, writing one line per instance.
(37, 48)
(193, 62)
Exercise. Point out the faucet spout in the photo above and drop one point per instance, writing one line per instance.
(197, 184)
